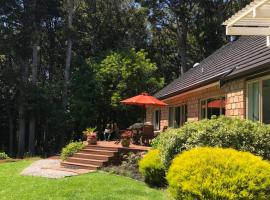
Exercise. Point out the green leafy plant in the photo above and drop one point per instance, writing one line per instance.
(215, 173)
(3, 156)
(89, 131)
(70, 149)
(225, 132)
(152, 169)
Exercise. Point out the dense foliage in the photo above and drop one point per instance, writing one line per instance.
(215, 173)
(152, 169)
(70, 149)
(226, 132)
(64, 65)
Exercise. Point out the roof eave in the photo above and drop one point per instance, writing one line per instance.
(255, 70)
(204, 83)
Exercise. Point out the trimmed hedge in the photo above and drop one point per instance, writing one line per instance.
(152, 169)
(70, 149)
(214, 173)
(224, 132)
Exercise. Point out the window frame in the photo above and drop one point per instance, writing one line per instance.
(260, 81)
(154, 119)
(182, 122)
(206, 111)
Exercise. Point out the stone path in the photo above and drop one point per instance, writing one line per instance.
(50, 168)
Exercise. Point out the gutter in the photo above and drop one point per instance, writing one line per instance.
(265, 68)
(198, 85)
(222, 80)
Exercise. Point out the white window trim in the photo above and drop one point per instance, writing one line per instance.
(259, 80)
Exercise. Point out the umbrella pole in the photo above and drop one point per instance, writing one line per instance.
(144, 113)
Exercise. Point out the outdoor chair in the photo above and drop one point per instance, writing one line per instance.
(147, 134)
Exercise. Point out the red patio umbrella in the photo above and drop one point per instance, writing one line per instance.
(144, 99)
(217, 104)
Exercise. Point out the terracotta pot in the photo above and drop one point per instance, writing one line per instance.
(92, 138)
(125, 142)
(92, 141)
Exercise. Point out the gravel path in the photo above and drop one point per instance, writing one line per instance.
(49, 168)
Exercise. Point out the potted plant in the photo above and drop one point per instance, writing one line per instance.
(91, 136)
(125, 139)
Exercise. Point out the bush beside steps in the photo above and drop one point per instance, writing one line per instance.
(70, 149)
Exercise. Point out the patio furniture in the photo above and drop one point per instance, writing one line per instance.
(147, 134)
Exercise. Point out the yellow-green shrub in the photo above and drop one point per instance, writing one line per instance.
(152, 169)
(214, 173)
(70, 149)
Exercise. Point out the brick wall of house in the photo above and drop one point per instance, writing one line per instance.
(235, 98)
(192, 100)
(234, 93)
(164, 115)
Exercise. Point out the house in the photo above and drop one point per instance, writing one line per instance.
(233, 81)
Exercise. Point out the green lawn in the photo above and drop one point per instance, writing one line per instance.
(99, 186)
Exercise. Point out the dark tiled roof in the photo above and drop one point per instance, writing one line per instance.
(230, 61)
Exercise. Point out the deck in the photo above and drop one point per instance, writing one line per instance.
(132, 147)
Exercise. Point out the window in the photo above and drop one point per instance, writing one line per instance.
(266, 101)
(177, 116)
(212, 106)
(156, 119)
(253, 98)
(258, 100)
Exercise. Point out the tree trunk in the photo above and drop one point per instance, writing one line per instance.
(182, 45)
(70, 9)
(21, 139)
(32, 121)
(67, 73)
(21, 111)
(11, 134)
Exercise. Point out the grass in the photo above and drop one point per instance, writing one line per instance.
(93, 186)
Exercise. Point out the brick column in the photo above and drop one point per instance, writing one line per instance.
(235, 99)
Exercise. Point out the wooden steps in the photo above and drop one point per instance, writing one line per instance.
(87, 161)
(92, 157)
(77, 165)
